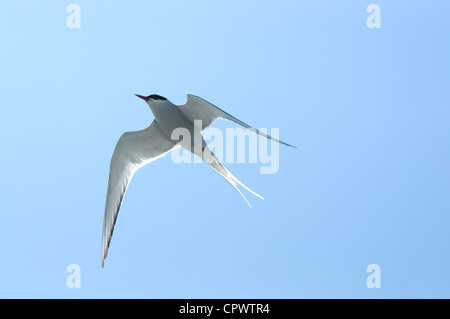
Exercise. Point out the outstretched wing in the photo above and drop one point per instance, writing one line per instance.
(197, 108)
(133, 150)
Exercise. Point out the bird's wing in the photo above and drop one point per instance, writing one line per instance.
(197, 108)
(133, 150)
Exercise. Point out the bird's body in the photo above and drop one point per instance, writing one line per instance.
(136, 149)
(169, 118)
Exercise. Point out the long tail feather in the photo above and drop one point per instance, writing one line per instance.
(218, 166)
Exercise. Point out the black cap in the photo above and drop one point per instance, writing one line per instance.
(156, 97)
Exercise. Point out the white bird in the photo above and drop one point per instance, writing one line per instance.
(136, 149)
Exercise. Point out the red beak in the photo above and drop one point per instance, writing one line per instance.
(142, 97)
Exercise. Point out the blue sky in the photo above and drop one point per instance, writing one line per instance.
(368, 110)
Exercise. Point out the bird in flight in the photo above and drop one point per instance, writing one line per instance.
(136, 149)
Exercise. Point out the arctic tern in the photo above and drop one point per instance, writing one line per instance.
(136, 149)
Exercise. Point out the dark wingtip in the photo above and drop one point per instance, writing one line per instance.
(287, 144)
(292, 146)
